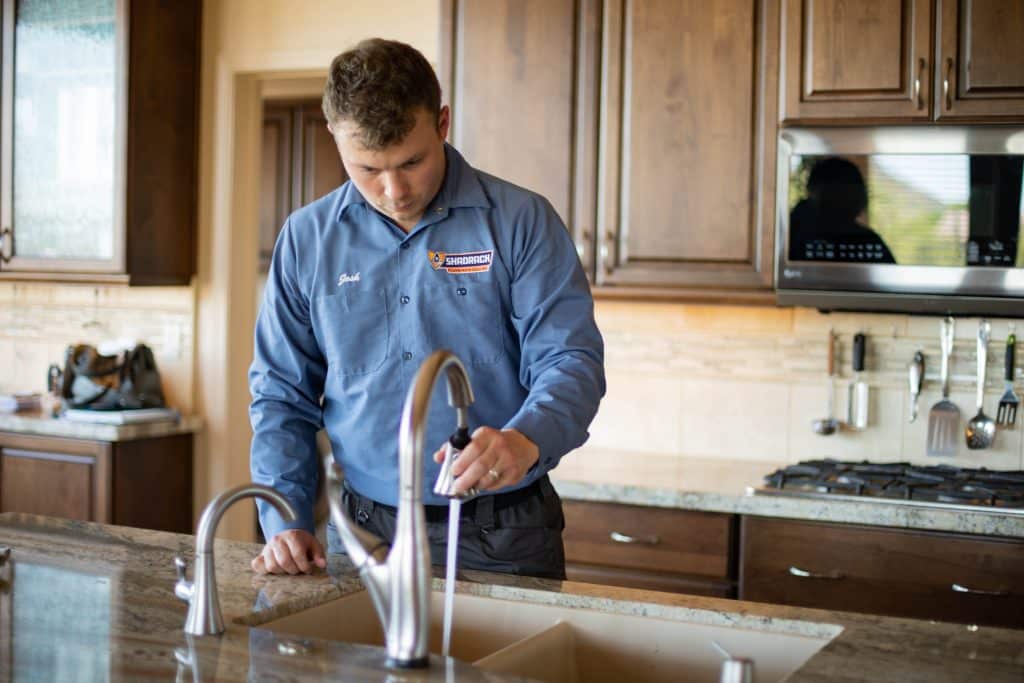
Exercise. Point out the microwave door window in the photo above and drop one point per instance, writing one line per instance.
(907, 209)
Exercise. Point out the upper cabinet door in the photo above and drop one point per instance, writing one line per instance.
(512, 75)
(99, 133)
(687, 146)
(63, 168)
(981, 60)
(862, 59)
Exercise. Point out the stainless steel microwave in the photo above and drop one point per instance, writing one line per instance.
(897, 218)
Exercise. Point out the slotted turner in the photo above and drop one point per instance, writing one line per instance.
(1007, 413)
(944, 417)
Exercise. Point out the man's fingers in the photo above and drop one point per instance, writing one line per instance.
(299, 552)
(283, 556)
(258, 565)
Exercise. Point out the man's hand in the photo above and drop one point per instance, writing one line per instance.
(493, 459)
(292, 551)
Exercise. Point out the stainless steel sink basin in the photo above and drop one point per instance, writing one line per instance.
(567, 643)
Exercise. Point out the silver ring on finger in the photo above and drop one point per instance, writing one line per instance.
(494, 474)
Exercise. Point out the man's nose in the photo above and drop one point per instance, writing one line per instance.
(394, 186)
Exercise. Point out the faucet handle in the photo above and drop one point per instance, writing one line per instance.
(445, 483)
(183, 588)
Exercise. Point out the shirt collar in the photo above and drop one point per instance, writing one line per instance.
(461, 187)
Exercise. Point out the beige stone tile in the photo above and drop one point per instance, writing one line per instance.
(670, 319)
(734, 419)
(810, 321)
(881, 440)
(639, 412)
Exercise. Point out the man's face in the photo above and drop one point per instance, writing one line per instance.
(402, 179)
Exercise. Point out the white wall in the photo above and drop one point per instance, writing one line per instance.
(249, 45)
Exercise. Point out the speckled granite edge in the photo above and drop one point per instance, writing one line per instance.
(48, 426)
(870, 512)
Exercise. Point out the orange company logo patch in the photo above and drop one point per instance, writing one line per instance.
(465, 262)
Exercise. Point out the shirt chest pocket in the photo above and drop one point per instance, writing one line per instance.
(353, 330)
(466, 318)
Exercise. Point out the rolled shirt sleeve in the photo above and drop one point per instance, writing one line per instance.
(286, 380)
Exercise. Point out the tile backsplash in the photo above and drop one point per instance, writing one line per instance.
(745, 383)
(38, 321)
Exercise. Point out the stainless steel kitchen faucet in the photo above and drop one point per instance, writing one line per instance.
(399, 581)
(204, 615)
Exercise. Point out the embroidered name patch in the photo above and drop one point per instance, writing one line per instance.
(466, 262)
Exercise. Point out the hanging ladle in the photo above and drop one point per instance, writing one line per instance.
(830, 424)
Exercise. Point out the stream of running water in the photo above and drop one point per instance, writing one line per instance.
(454, 507)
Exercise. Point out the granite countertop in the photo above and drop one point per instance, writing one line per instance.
(87, 601)
(40, 424)
(721, 486)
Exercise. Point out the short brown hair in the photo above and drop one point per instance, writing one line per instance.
(378, 85)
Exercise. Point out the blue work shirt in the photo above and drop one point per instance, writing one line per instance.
(353, 305)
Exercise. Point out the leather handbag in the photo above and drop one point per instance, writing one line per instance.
(125, 381)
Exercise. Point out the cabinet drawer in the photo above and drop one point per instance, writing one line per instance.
(932, 575)
(654, 539)
(665, 582)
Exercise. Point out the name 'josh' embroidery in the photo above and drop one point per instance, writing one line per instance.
(345, 277)
(465, 262)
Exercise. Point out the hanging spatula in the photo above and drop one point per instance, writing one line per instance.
(944, 417)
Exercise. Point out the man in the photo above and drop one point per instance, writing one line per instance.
(418, 251)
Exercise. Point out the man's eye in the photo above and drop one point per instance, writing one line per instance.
(411, 163)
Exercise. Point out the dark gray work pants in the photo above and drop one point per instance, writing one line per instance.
(519, 532)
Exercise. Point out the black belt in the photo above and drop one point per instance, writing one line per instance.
(439, 513)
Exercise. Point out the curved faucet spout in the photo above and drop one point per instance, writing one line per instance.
(399, 580)
(204, 615)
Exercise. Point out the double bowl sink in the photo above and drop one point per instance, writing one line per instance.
(567, 638)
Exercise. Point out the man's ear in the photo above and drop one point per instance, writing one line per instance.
(443, 122)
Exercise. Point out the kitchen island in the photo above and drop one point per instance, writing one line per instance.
(83, 601)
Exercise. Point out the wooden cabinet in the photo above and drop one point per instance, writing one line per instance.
(980, 60)
(650, 126)
(144, 483)
(300, 164)
(882, 61)
(652, 548)
(920, 574)
(99, 129)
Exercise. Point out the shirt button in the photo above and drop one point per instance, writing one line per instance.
(405, 245)
(404, 299)
(439, 210)
(461, 291)
(407, 356)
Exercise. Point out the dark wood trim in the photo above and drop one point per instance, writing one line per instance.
(586, 105)
(446, 58)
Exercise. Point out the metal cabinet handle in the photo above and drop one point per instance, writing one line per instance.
(6, 236)
(945, 84)
(581, 246)
(833, 575)
(626, 538)
(960, 588)
(921, 64)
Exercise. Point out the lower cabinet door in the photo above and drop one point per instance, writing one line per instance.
(896, 572)
(678, 551)
(41, 483)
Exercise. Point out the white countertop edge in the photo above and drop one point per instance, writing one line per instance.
(39, 426)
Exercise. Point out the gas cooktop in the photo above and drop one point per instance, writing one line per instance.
(899, 482)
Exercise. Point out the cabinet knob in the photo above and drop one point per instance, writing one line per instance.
(946, 94)
(960, 588)
(6, 244)
(626, 538)
(833, 575)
